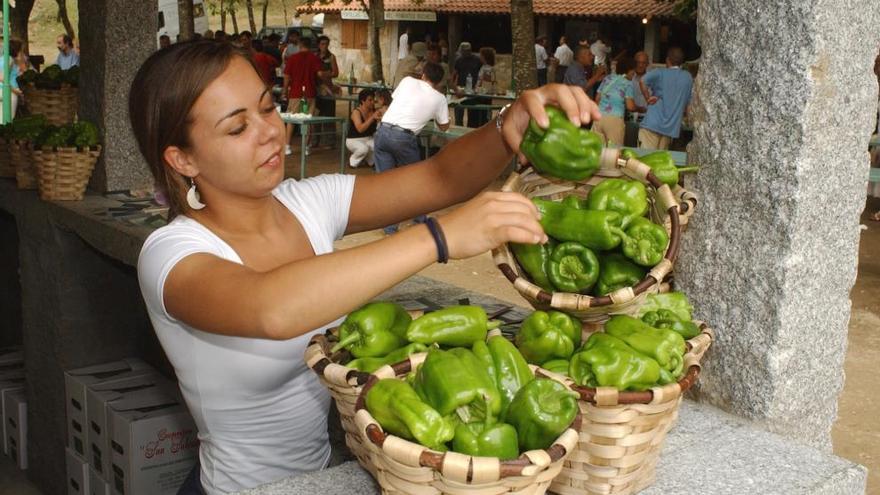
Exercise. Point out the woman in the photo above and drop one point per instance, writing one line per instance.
(245, 272)
(615, 97)
(361, 127)
(326, 105)
(486, 85)
(12, 73)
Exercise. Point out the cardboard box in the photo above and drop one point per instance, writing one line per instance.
(154, 444)
(16, 426)
(98, 396)
(11, 384)
(75, 383)
(97, 484)
(77, 474)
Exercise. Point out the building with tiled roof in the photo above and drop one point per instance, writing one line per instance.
(570, 8)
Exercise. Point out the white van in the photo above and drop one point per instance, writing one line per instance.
(169, 21)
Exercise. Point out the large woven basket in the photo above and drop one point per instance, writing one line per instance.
(405, 468)
(622, 433)
(63, 173)
(666, 209)
(58, 105)
(21, 156)
(344, 385)
(7, 169)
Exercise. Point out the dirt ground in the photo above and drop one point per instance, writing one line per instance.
(856, 434)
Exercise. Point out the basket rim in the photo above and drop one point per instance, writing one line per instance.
(696, 347)
(651, 279)
(434, 459)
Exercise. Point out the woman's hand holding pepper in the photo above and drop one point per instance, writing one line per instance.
(489, 220)
(573, 101)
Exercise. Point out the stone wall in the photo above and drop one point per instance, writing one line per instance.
(782, 121)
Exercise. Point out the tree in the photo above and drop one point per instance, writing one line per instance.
(18, 20)
(265, 11)
(375, 10)
(684, 9)
(185, 18)
(522, 27)
(64, 19)
(249, 4)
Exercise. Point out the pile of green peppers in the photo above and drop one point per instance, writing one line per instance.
(631, 354)
(472, 394)
(597, 245)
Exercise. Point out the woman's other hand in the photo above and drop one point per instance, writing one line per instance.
(489, 220)
(572, 100)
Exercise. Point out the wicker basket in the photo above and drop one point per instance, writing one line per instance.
(58, 105)
(21, 156)
(405, 468)
(622, 433)
(7, 169)
(344, 384)
(666, 209)
(63, 173)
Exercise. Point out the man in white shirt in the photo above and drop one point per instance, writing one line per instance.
(600, 51)
(541, 59)
(413, 104)
(563, 57)
(403, 44)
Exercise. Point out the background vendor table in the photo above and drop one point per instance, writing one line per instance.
(317, 120)
(431, 130)
(350, 98)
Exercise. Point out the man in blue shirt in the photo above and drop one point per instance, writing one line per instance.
(67, 56)
(670, 91)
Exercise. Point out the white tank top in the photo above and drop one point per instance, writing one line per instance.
(261, 413)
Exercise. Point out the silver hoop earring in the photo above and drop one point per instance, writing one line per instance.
(193, 198)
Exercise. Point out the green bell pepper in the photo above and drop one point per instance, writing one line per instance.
(563, 149)
(546, 335)
(573, 267)
(541, 411)
(662, 164)
(676, 302)
(458, 326)
(507, 365)
(533, 258)
(627, 197)
(558, 366)
(400, 411)
(574, 201)
(598, 230)
(371, 364)
(607, 361)
(661, 344)
(374, 330)
(664, 318)
(486, 439)
(457, 381)
(616, 272)
(645, 242)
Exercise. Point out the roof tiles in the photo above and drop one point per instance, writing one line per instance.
(580, 8)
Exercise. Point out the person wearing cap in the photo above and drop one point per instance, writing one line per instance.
(467, 64)
(541, 59)
(412, 64)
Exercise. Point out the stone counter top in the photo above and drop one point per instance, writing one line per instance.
(707, 452)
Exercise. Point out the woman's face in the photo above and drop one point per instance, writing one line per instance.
(324, 46)
(237, 136)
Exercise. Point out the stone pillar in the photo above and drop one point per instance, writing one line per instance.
(116, 36)
(454, 36)
(771, 254)
(652, 45)
(544, 29)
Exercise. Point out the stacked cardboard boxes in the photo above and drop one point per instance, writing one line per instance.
(129, 432)
(13, 405)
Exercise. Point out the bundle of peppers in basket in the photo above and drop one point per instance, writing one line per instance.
(597, 245)
(481, 401)
(631, 354)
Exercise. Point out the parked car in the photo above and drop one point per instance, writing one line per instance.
(169, 23)
(284, 32)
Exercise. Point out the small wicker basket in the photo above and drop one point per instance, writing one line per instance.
(622, 433)
(63, 173)
(7, 169)
(58, 105)
(666, 209)
(405, 468)
(21, 156)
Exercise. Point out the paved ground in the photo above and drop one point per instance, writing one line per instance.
(856, 434)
